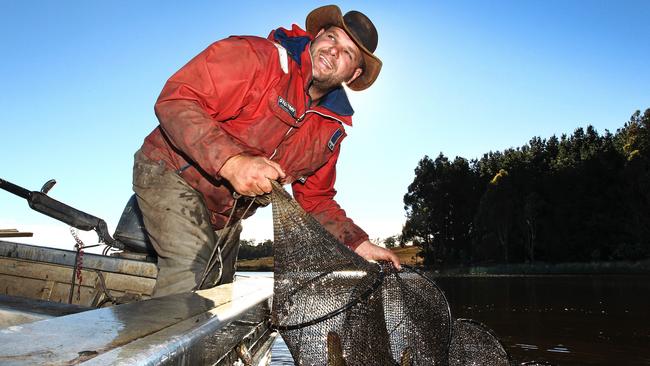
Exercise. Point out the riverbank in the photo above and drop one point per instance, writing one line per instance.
(408, 255)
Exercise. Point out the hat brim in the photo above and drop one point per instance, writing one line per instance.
(330, 15)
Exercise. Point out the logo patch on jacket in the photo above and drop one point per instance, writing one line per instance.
(334, 139)
(286, 106)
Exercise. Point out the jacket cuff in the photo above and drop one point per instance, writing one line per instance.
(353, 245)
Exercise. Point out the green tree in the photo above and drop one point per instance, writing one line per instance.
(249, 249)
(391, 242)
(495, 214)
(579, 197)
(439, 207)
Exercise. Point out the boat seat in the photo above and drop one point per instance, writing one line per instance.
(131, 231)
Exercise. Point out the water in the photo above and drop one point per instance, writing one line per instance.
(565, 320)
(280, 352)
(280, 355)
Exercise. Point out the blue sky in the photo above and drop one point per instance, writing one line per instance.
(79, 80)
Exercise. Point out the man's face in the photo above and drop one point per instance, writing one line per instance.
(336, 58)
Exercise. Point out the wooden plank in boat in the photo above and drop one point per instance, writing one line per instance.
(52, 282)
(63, 274)
(14, 233)
(67, 258)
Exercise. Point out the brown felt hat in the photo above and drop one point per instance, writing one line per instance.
(361, 31)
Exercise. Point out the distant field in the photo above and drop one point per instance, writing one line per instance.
(406, 255)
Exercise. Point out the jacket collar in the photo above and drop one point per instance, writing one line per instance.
(337, 101)
(296, 41)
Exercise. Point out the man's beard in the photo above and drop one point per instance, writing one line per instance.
(327, 83)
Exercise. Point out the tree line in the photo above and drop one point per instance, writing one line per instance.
(249, 249)
(577, 198)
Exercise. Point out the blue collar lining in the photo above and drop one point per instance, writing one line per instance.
(337, 101)
(294, 45)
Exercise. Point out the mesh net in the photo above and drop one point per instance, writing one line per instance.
(473, 341)
(322, 287)
(334, 308)
(417, 317)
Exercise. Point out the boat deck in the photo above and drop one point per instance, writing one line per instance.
(46, 273)
(216, 326)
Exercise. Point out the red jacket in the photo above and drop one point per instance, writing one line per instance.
(248, 95)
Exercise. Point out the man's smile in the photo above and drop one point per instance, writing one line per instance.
(326, 62)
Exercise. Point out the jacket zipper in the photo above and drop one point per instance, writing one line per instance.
(281, 141)
(319, 113)
(300, 119)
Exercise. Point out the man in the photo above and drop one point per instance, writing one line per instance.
(245, 111)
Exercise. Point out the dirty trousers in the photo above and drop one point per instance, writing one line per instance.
(178, 225)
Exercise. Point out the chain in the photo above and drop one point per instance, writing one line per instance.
(79, 246)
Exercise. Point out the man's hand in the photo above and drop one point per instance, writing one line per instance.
(370, 251)
(251, 175)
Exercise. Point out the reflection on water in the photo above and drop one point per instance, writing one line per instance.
(565, 320)
(280, 355)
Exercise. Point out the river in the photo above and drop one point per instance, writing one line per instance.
(564, 320)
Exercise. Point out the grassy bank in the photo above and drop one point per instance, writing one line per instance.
(259, 265)
(408, 256)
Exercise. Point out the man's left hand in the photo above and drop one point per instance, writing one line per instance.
(370, 251)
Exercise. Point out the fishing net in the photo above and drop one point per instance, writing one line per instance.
(334, 308)
(322, 288)
(417, 316)
(473, 341)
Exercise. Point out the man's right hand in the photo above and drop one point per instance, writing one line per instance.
(370, 251)
(251, 175)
